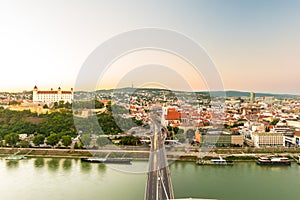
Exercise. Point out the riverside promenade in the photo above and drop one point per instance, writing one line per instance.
(136, 153)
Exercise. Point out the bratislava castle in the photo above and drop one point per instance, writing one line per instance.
(51, 96)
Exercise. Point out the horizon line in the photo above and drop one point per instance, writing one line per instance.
(177, 90)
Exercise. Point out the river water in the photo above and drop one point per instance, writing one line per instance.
(53, 178)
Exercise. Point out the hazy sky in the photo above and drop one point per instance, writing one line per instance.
(255, 44)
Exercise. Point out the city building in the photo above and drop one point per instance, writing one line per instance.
(293, 122)
(221, 139)
(269, 100)
(252, 97)
(51, 96)
(197, 136)
(268, 139)
(297, 138)
(170, 116)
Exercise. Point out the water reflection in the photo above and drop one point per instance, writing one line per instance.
(10, 164)
(53, 164)
(274, 168)
(67, 164)
(178, 165)
(101, 167)
(39, 162)
(85, 167)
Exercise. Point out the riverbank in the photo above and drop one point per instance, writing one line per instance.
(135, 154)
(75, 153)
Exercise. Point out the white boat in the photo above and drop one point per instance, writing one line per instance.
(15, 157)
(273, 161)
(219, 161)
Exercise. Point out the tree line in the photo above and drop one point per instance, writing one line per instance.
(60, 126)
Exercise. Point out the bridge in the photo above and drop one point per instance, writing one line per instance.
(159, 185)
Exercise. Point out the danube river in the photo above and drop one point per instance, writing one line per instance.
(53, 178)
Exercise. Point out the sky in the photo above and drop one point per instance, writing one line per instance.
(254, 44)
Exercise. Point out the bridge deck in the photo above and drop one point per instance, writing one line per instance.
(159, 185)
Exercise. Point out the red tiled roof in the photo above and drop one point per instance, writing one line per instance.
(132, 107)
(297, 133)
(104, 101)
(66, 92)
(47, 92)
(54, 92)
(172, 114)
(183, 115)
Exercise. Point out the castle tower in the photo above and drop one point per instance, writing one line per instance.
(34, 93)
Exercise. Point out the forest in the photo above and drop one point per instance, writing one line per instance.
(60, 123)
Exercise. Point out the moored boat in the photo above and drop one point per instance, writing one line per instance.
(15, 157)
(273, 161)
(107, 160)
(217, 162)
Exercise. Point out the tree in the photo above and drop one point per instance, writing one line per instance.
(274, 122)
(66, 140)
(78, 145)
(180, 131)
(11, 139)
(86, 139)
(24, 144)
(61, 104)
(98, 104)
(55, 105)
(52, 139)
(102, 141)
(38, 139)
(108, 106)
(180, 137)
(130, 140)
(175, 129)
(14, 103)
(190, 134)
(68, 105)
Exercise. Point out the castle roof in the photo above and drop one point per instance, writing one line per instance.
(54, 92)
(47, 92)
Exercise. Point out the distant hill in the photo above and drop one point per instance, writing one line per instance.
(229, 93)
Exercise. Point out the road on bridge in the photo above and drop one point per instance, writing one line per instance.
(159, 185)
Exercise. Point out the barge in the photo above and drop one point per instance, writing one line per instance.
(273, 161)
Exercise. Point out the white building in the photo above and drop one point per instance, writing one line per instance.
(293, 122)
(51, 96)
(268, 139)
